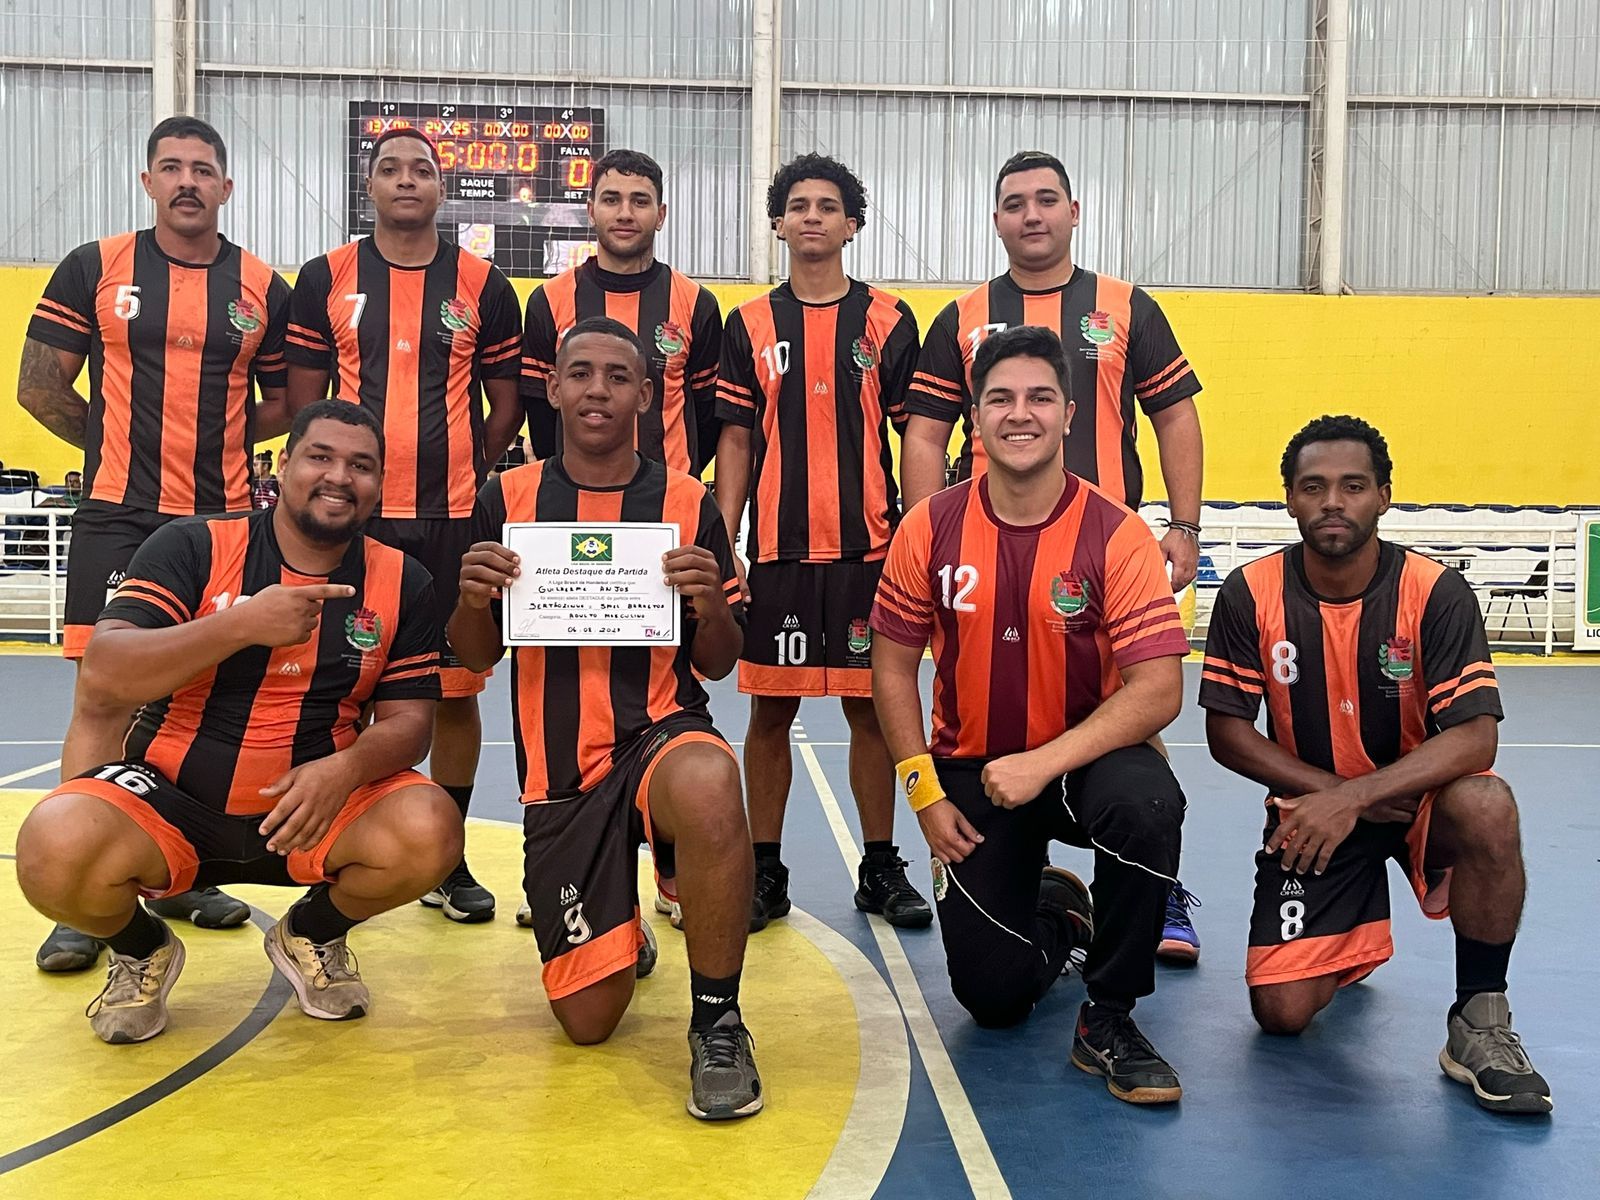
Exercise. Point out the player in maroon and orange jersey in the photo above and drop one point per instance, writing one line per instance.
(1057, 652)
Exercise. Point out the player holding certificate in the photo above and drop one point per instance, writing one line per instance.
(615, 743)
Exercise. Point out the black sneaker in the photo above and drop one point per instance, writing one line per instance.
(462, 897)
(649, 953)
(1063, 892)
(723, 1082)
(885, 890)
(1112, 1045)
(1483, 1053)
(67, 950)
(771, 897)
(205, 907)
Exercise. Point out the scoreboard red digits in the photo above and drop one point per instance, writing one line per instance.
(523, 170)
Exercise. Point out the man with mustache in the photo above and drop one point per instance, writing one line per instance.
(412, 326)
(178, 327)
(1382, 708)
(254, 644)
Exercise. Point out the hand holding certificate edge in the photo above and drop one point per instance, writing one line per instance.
(487, 569)
(693, 572)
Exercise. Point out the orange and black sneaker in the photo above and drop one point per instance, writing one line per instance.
(1109, 1043)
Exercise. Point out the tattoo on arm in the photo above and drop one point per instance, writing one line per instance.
(44, 391)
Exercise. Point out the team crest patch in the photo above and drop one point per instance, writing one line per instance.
(591, 547)
(245, 317)
(363, 629)
(669, 337)
(941, 880)
(1098, 327)
(456, 314)
(865, 351)
(1069, 596)
(859, 638)
(1394, 656)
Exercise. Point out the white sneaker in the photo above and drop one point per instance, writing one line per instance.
(325, 978)
(132, 1007)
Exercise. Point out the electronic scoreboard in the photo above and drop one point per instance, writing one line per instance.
(516, 177)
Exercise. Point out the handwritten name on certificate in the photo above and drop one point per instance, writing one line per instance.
(591, 585)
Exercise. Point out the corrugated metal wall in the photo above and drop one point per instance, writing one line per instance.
(1190, 163)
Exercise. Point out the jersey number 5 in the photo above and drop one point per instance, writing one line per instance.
(965, 579)
(127, 305)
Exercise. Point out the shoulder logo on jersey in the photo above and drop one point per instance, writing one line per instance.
(363, 629)
(1069, 596)
(670, 338)
(865, 352)
(456, 314)
(243, 315)
(859, 636)
(1098, 327)
(591, 547)
(1394, 656)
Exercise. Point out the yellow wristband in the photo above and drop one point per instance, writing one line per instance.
(919, 782)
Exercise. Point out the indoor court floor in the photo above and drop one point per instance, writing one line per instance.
(457, 1084)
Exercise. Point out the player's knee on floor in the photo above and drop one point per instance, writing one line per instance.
(998, 989)
(1286, 1009)
(591, 1015)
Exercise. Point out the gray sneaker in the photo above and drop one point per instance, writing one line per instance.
(132, 1007)
(1485, 1054)
(206, 907)
(723, 1083)
(325, 977)
(67, 950)
(649, 953)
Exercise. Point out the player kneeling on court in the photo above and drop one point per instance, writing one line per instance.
(1058, 654)
(1382, 707)
(615, 744)
(254, 642)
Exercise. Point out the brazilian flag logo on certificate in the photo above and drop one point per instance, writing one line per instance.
(591, 547)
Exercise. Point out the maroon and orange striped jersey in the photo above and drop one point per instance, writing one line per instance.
(1120, 349)
(239, 726)
(820, 385)
(572, 706)
(413, 344)
(1351, 685)
(172, 348)
(1031, 626)
(681, 327)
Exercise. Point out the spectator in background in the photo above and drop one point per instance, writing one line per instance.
(74, 485)
(264, 492)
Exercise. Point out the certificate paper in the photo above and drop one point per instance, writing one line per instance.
(591, 585)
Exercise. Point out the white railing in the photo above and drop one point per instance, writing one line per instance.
(33, 571)
(1524, 575)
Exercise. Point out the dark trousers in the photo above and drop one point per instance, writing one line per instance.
(1002, 950)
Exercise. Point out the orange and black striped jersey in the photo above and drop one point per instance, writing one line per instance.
(239, 726)
(1120, 349)
(819, 384)
(681, 327)
(1031, 626)
(172, 348)
(1351, 685)
(413, 344)
(572, 706)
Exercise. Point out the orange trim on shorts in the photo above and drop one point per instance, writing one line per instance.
(758, 679)
(1434, 901)
(75, 640)
(1351, 956)
(310, 866)
(849, 681)
(578, 968)
(182, 860)
(641, 798)
(458, 682)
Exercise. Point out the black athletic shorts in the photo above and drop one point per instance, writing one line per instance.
(806, 631)
(104, 538)
(438, 544)
(580, 861)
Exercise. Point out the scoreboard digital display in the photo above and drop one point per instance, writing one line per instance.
(516, 177)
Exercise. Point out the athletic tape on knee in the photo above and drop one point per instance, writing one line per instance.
(919, 782)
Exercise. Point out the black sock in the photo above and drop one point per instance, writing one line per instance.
(1480, 967)
(318, 918)
(712, 998)
(767, 850)
(141, 937)
(462, 795)
(871, 848)
(1108, 1006)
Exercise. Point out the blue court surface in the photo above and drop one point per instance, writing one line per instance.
(1357, 1106)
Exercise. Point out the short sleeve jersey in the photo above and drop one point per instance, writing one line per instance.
(1031, 626)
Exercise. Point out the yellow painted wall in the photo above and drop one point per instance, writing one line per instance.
(1483, 399)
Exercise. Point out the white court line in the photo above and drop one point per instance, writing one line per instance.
(977, 1160)
(8, 780)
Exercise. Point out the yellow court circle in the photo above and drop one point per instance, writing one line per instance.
(458, 1083)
